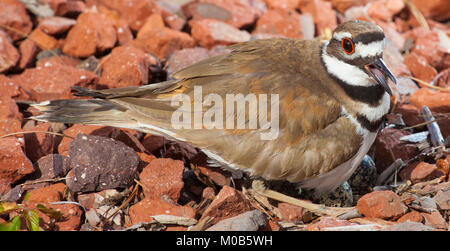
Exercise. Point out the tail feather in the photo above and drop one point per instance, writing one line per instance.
(84, 92)
(132, 91)
(83, 111)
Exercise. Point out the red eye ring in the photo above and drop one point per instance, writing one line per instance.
(348, 46)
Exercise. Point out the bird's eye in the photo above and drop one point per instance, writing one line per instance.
(348, 46)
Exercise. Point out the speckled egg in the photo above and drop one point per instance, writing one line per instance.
(365, 176)
(341, 197)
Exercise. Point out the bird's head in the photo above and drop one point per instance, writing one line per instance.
(354, 55)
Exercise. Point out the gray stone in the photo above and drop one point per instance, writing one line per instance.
(427, 202)
(409, 226)
(248, 221)
(14, 194)
(92, 217)
(442, 199)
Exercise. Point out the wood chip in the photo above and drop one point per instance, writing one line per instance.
(350, 215)
(203, 224)
(367, 227)
(262, 203)
(174, 220)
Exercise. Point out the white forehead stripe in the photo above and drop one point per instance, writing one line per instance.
(369, 50)
(340, 35)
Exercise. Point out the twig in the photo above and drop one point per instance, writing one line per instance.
(365, 227)
(403, 187)
(421, 185)
(419, 125)
(139, 183)
(429, 85)
(350, 215)
(319, 209)
(262, 203)
(127, 201)
(153, 225)
(203, 224)
(417, 14)
(27, 132)
(174, 220)
(386, 174)
(377, 221)
(437, 77)
(439, 115)
(42, 181)
(291, 226)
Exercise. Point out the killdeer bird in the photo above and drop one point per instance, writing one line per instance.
(332, 97)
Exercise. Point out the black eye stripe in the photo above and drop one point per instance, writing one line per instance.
(367, 38)
(356, 43)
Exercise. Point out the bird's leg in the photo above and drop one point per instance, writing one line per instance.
(319, 209)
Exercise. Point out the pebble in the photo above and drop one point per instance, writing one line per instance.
(409, 226)
(381, 204)
(163, 177)
(228, 203)
(102, 164)
(126, 66)
(442, 199)
(248, 221)
(92, 33)
(13, 14)
(9, 55)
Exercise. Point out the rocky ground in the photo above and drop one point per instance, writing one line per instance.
(102, 178)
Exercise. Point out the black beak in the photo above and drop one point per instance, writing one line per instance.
(379, 71)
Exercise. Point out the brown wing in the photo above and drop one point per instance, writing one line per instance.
(268, 67)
